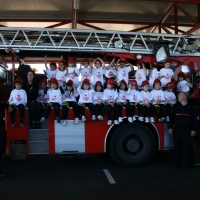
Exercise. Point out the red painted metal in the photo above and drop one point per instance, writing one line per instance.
(176, 19)
(51, 131)
(166, 15)
(58, 24)
(142, 28)
(90, 26)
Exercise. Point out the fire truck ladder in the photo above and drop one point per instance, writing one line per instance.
(67, 40)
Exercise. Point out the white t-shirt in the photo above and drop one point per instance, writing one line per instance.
(98, 97)
(170, 96)
(122, 96)
(85, 95)
(158, 95)
(134, 96)
(60, 76)
(153, 75)
(18, 97)
(69, 96)
(71, 75)
(54, 96)
(85, 73)
(108, 73)
(42, 98)
(140, 76)
(51, 73)
(182, 86)
(109, 95)
(123, 73)
(167, 73)
(145, 96)
(97, 75)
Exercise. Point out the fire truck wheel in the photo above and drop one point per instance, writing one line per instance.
(132, 145)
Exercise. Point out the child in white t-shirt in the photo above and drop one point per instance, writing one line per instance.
(61, 74)
(140, 74)
(17, 99)
(183, 85)
(170, 99)
(86, 70)
(152, 76)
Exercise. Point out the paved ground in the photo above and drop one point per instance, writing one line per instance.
(97, 177)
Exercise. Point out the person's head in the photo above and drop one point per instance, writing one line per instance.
(145, 85)
(181, 76)
(62, 65)
(167, 63)
(110, 84)
(69, 85)
(53, 66)
(170, 86)
(18, 83)
(43, 84)
(139, 65)
(53, 83)
(85, 62)
(71, 62)
(123, 85)
(86, 84)
(133, 84)
(30, 75)
(157, 84)
(182, 97)
(97, 63)
(98, 86)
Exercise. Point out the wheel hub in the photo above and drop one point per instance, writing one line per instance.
(133, 145)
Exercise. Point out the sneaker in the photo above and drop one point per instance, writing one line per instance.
(83, 118)
(130, 119)
(76, 121)
(42, 119)
(93, 117)
(167, 119)
(109, 122)
(120, 119)
(146, 120)
(58, 119)
(134, 118)
(152, 119)
(100, 117)
(64, 122)
(116, 122)
(141, 119)
(13, 122)
(21, 122)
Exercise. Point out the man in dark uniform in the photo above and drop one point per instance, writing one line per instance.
(185, 120)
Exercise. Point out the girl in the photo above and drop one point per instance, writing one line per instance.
(158, 100)
(61, 74)
(170, 99)
(110, 97)
(153, 75)
(183, 85)
(85, 92)
(72, 72)
(86, 71)
(133, 98)
(54, 100)
(98, 101)
(69, 100)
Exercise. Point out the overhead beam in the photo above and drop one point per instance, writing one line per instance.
(176, 19)
(90, 26)
(192, 29)
(179, 30)
(56, 25)
(165, 29)
(142, 28)
(166, 15)
(178, 1)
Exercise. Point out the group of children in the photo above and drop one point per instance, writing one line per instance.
(102, 88)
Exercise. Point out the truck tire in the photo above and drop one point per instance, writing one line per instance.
(132, 145)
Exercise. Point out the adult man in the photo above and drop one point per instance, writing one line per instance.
(185, 120)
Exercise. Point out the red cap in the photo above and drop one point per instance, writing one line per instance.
(86, 80)
(123, 81)
(168, 61)
(85, 60)
(111, 82)
(97, 60)
(42, 81)
(133, 82)
(69, 82)
(123, 59)
(19, 80)
(71, 60)
(98, 83)
(53, 63)
(181, 74)
(170, 85)
(53, 80)
(146, 82)
(156, 81)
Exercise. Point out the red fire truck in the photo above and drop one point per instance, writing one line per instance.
(129, 144)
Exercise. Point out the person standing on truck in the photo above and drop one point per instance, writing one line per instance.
(185, 120)
(61, 73)
(31, 88)
(183, 85)
(86, 71)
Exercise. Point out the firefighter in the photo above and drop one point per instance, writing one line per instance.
(185, 120)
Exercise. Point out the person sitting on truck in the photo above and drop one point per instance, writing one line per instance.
(86, 91)
(145, 102)
(17, 99)
(98, 100)
(61, 73)
(183, 85)
(69, 100)
(86, 71)
(52, 70)
(153, 75)
(133, 98)
(110, 98)
(170, 99)
(158, 100)
(72, 72)
(54, 93)
(122, 100)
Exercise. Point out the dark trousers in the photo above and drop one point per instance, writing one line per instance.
(34, 111)
(84, 105)
(47, 110)
(2, 143)
(131, 108)
(110, 110)
(21, 108)
(183, 137)
(168, 109)
(66, 105)
(145, 111)
(160, 109)
(99, 108)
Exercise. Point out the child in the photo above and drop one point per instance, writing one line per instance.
(158, 100)
(153, 75)
(54, 100)
(98, 101)
(61, 74)
(110, 97)
(140, 74)
(85, 92)
(122, 99)
(72, 72)
(17, 99)
(69, 100)
(170, 99)
(51, 73)
(166, 74)
(98, 71)
(133, 98)
(145, 102)
(183, 85)
(86, 71)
